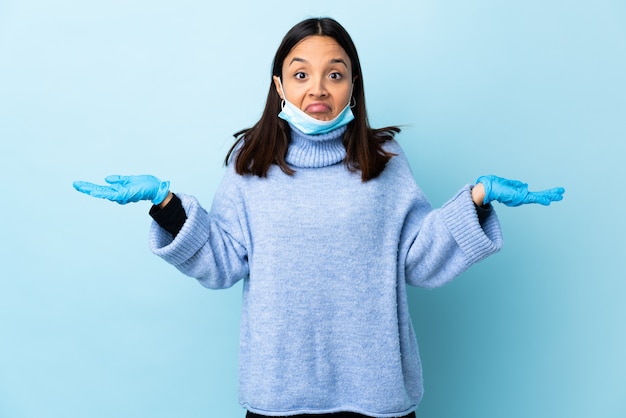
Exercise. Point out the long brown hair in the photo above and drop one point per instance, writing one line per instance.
(266, 143)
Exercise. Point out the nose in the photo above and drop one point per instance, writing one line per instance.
(318, 87)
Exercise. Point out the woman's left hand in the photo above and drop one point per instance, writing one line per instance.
(512, 192)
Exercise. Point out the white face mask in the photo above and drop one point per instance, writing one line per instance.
(308, 124)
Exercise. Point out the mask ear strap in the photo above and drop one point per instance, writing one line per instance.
(282, 103)
(280, 83)
(352, 101)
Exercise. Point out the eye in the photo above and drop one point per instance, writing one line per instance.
(335, 76)
(300, 75)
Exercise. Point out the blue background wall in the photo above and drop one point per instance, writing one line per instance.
(93, 325)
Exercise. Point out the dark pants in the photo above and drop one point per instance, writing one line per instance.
(336, 415)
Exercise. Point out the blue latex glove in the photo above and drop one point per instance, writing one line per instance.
(126, 189)
(515, 193)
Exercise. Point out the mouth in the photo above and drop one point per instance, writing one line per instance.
(317, 107)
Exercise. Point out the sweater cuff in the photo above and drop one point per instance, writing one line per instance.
(172, 217)
(483, 212)
(478, 238)
(191, 237)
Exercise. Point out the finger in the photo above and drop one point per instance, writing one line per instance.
(544, 197)
(78, 185)
(537, 197)
(85, 187)
(555, 191)
(95, 190)
(554, 194)
(116, 179)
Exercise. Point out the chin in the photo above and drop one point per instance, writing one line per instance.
(323, 118)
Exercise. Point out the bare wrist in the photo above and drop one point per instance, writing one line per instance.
(478, 194)
(167, 200)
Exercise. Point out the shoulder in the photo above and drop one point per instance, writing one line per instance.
(398, 175)
(393, 146)
(399, 161)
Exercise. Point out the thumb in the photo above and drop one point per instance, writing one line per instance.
(116, 179)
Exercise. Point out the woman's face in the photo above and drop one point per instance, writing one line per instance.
(317, 77)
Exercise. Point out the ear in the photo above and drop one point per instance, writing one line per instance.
(278, 87)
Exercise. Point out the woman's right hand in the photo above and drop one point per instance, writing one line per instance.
(127, 189)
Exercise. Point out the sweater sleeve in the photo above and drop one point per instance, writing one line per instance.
(451, 239)
(209, 247)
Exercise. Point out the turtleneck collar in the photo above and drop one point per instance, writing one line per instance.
(312, 151)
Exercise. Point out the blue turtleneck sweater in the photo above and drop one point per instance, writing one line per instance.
(325, 259)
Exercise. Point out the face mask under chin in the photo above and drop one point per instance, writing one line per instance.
(308, 124)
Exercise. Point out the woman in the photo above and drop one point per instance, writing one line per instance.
(321, 218)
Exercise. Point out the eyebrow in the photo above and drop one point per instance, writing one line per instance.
(332, 61)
